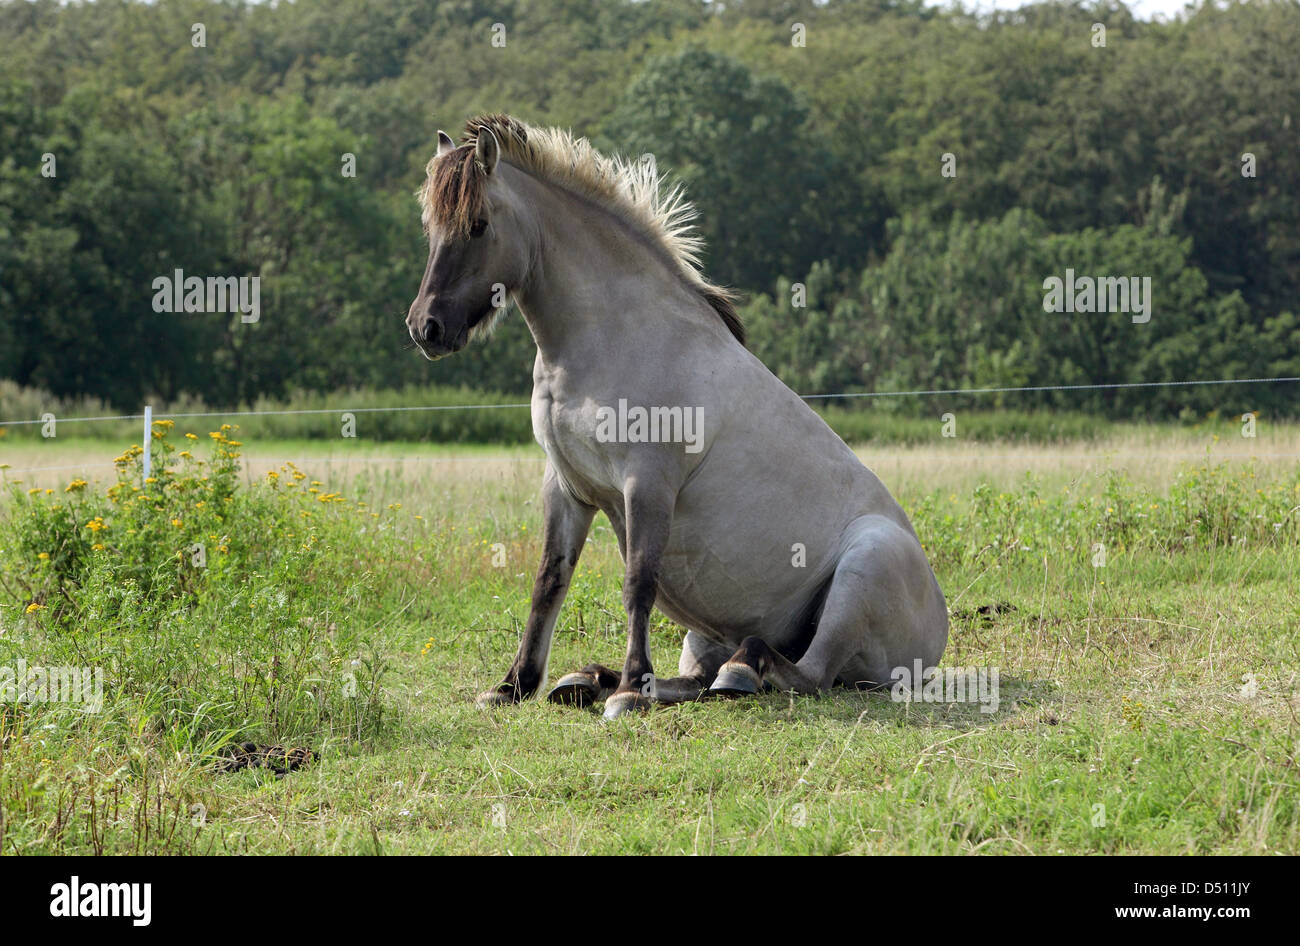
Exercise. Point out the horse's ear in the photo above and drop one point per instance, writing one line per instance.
(445, 144)
(487, 150)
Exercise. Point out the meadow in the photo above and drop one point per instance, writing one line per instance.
(1136, 590)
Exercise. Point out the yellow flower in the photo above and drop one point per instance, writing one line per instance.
(151, 479)
(75, 486)
(191, 437)
(165, 424)
(33, 491)
(176, 523)
(98, 547)
(44, 556)
(34, 607)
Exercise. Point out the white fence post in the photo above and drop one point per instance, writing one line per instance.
(148, 442)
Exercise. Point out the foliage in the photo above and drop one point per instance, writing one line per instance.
(817, 164)
(198, 599)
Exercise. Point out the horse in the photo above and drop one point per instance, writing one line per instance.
(785, 558)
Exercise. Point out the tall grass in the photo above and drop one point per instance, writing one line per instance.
(215, 614)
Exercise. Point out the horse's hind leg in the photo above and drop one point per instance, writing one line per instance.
(883, 610)
(697, 667)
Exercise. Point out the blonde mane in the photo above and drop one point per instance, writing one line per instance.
(633, 191)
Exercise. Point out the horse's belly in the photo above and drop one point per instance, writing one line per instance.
(765, 590)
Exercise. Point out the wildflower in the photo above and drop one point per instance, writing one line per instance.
(34, 607)
(75, 486)
(97, 547)
(44, 556)
(191, 437)
(176, 523)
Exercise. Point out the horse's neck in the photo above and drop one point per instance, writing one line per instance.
(597, 286)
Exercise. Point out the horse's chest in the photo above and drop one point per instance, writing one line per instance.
(564, 434)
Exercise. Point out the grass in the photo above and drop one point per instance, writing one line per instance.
(1160, 686)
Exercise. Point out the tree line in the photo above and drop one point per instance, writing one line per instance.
(888, 185)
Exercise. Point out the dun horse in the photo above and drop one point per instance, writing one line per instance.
(759, 531)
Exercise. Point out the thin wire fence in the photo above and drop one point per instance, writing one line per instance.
(807, 397)
(149, 416)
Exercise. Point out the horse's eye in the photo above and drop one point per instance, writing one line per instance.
(478, 229)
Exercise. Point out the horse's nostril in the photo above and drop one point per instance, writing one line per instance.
(432, 332)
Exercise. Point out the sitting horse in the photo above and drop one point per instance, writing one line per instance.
(760, 531)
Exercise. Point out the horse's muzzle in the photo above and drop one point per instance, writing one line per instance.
(432, 340)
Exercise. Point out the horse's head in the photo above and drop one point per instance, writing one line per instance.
(477, 256)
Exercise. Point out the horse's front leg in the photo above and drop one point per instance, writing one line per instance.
(649, 513)
(566, 523)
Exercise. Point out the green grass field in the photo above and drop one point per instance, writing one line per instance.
(355, 602)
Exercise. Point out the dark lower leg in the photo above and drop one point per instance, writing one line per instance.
(595, 683)
(756, 663)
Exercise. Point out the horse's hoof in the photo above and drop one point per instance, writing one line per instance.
(620, 704)
(736, 679)
(575, 689)
(497, 696)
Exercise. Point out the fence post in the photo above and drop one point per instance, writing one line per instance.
(148, 442)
